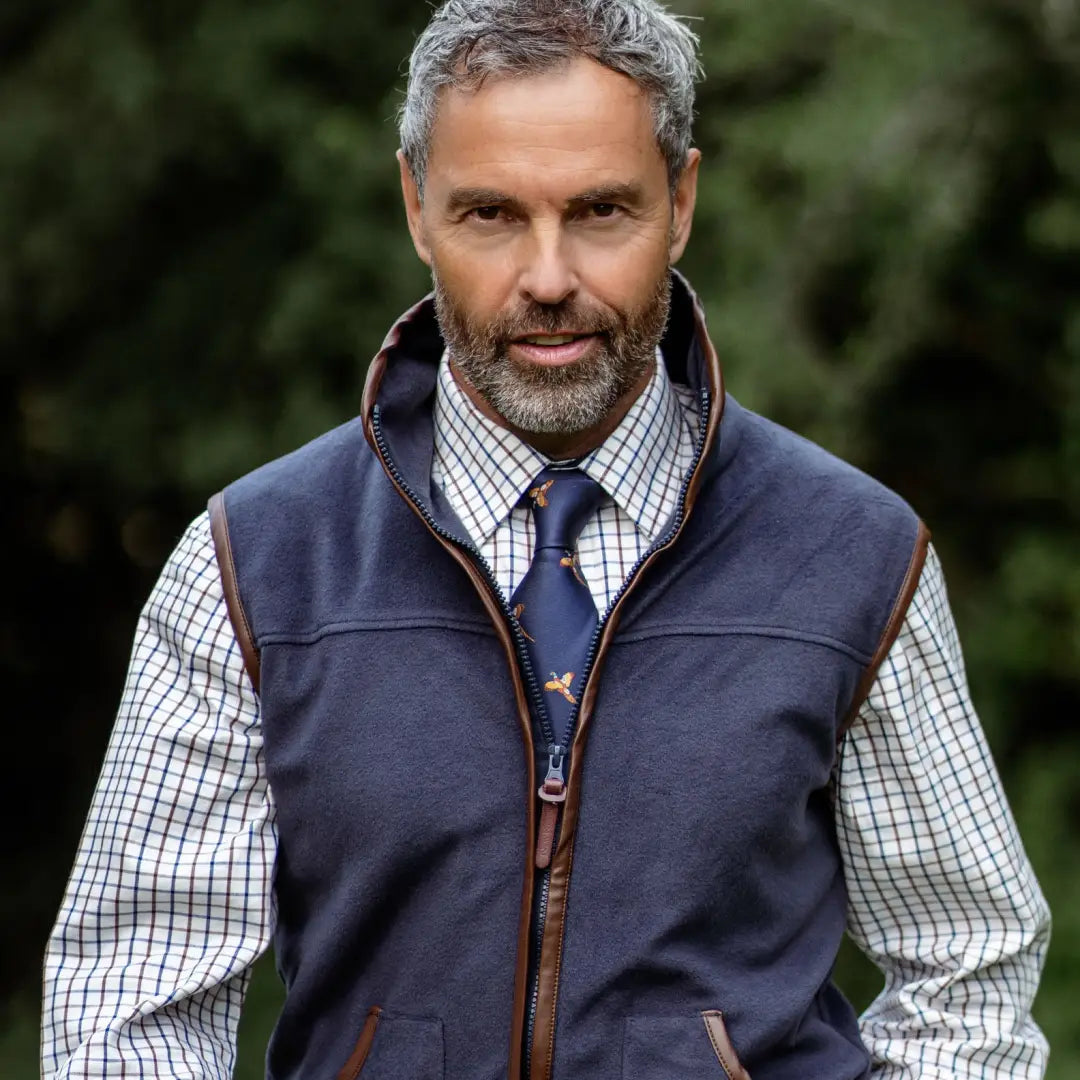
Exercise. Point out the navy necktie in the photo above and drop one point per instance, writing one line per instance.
(553, 602)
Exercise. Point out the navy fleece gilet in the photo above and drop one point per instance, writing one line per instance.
(705, 873)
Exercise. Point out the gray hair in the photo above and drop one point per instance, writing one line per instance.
(469, 40)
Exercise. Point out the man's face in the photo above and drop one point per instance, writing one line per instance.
(549, 227)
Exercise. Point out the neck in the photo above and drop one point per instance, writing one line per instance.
(560, 445)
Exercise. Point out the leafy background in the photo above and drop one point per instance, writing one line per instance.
(201, 245)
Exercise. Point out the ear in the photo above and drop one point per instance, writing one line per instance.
(414, 209)
(683, 205)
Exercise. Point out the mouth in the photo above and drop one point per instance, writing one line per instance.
(553, 350)
(564, 337)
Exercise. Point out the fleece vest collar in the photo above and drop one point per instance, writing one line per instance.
(400, 388)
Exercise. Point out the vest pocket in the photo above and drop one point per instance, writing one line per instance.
(689, 1047)
(393, 1046)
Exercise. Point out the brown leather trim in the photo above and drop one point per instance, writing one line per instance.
(721, 1044)
(892, 627)
(542, 1051)
(219, 530)
(351, 1069)
(521, 975)
(377, 367)
(715, 374)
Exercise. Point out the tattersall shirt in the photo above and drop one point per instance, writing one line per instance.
(170, 900)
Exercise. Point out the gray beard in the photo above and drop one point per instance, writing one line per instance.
(561, 400)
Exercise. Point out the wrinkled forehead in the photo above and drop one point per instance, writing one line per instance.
(557, 125)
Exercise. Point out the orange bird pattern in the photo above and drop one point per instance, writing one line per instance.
(570, 560)
(539, 494)
(518, 612)
(562, 686)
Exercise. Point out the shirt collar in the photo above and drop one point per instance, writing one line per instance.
(483, 468)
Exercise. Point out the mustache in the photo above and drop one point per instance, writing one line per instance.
(550, 319)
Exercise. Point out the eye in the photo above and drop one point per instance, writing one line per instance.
(487, 213)
(604, 209)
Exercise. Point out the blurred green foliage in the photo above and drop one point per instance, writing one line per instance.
(201, 245)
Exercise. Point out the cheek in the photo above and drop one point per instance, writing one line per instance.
(625, 277)
(481, 282)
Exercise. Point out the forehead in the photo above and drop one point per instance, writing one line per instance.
(576, 126)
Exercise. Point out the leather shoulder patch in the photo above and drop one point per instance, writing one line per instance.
(892, 628)
(219, 529)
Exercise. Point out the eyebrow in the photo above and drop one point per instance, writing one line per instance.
(631, 193)
(463, 198)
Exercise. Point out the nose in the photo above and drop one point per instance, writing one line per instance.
(547, 274)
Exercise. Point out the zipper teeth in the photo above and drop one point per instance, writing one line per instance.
(532, 685)
(538, 945)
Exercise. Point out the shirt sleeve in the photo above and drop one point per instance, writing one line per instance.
(169, 902)
(941, 894)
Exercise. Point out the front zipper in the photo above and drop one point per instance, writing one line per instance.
(552, 792)
(539, 915)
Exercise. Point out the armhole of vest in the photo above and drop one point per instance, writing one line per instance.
(219, 530)
(892, 629)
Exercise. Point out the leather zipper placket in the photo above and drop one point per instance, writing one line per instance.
(552, 792)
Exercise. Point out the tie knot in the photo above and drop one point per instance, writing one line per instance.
(562, 501)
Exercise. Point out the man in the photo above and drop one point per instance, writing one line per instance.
(556, 715)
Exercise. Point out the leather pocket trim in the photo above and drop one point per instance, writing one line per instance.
(721, 1044)
(351, 1069)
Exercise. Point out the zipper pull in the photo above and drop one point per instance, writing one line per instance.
(552, 792)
